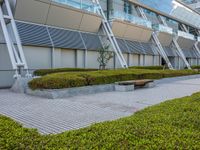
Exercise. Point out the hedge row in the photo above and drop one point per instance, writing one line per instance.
(195, 67)
(170, 125)
(149, 67)
(78, 79)
(42, 72)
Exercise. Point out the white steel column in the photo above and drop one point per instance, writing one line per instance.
(107, 28)
(156, 40)
(15, 50)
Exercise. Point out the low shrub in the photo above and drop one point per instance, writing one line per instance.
(42, 72)
(195, 67)
(149, 67)
(58, 81)
(77, 79)
(170, 125)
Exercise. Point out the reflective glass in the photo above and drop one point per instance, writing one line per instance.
(131, 18)
(186, 35)
(80, 4)
(161, 5)
(175, 9)
(198, 38)
(163, 28)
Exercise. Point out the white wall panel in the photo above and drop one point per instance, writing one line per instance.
(68, 58)
(38, 57)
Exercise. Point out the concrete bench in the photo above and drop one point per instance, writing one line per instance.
(126, 86)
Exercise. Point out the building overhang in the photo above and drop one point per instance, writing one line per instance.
(52, 13)
(137, 3)
(185, 40)
(127, 30)
(165, 34)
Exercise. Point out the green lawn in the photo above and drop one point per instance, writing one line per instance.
(173, 124)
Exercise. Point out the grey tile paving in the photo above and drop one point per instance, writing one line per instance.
(56, 116)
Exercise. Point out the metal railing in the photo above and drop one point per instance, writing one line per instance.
(162, 28)
(198, 38)
(186, 35)
(131, 19)
(87, 5)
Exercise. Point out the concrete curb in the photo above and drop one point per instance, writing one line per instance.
(173, 79)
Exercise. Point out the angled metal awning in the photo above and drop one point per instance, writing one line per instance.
(32, 34)
(147, 48)
(92, 41)
(169, 51)
(38, 35)
(135, 47)
(190, 53)
(66, 39)
(45, 36)
(123, 46)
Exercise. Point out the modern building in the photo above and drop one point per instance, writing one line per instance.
(68, 33)
(176, 8)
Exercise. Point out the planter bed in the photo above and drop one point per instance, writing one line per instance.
(86, 90)
(80, 79)
(70, 92)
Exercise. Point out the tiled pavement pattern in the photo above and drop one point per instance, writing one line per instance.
(55, 116)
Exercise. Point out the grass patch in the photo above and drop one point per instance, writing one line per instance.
(78, 79)
(42, 72)
(173, 124)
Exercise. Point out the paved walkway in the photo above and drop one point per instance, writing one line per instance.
(55, 116)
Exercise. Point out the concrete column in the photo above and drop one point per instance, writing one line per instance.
(179, 63)
(154, 60)
(76, 59)
(85, 59)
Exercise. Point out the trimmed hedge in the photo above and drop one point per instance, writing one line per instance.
(195, 67)
(42, 72)
(170, 125)
(78, 79)
(149, 67)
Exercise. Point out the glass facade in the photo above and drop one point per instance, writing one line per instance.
(161, 5)
(175, 9)
(163, 28)
(80, 4)
(124, 10)
(186, 35)
(190, 1)
(132, 19)
(198, 38)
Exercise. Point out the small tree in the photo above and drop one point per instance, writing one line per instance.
(104, 56)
